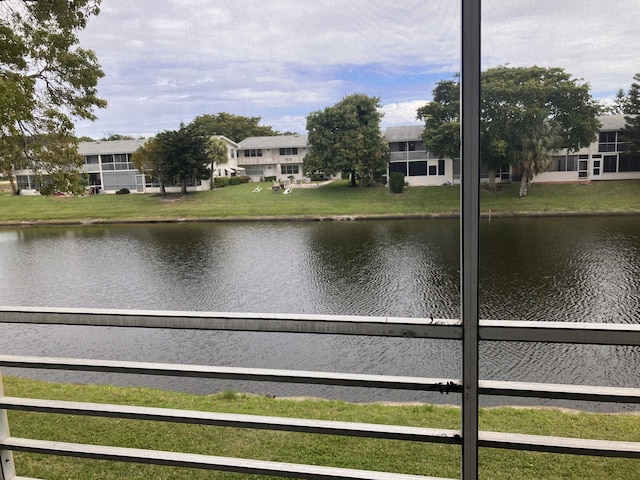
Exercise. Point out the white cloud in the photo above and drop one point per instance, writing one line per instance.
(403, 113)
(283, 59)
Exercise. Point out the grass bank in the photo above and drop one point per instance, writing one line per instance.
(385, 455)
(335, 199)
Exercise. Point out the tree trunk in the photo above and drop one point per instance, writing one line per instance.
(492, 179)
(524, 185)
(183, 190)
(12, 180)
(353, 178)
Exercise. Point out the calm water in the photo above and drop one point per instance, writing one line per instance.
(569, 269)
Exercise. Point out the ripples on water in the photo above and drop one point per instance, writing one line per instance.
(531, 269)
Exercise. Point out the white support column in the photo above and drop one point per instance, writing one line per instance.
(7, 470)
(470, 220)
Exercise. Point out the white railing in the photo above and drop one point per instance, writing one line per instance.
(551, 332)
(470, 331)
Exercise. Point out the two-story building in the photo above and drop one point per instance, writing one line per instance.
(407, 155)
(109, 168)
(280, 156)
(603, 159)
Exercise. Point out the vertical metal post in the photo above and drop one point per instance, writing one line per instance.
(470, 220)
(7, 470)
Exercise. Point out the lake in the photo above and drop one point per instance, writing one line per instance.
(584, 269)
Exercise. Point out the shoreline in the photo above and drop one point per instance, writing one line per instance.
(309, 218)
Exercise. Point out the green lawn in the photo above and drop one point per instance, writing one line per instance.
(385, 455)
(331, 200)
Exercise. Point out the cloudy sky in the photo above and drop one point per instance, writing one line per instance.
(168, 61)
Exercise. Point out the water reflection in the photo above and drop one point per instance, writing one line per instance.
(576, 269)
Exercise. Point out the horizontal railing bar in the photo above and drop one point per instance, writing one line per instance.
(561, 332)
(232, 373)
(489, 330)
(389, 432)
(368, 430)
(254, 322)
(572, 446)
(559, 391)
(443, 385)
(203, 462)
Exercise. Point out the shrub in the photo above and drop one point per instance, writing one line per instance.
(270, 179)
(122, 191)
(245, 179)
(396, 182)
(220, 182)
(235, 180)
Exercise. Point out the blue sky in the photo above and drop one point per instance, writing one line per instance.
(168, 61)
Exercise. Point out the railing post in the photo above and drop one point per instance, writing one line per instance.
(7, 469)
(470, 221)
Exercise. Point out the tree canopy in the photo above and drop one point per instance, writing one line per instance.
(180, 156)
(346, 137)
(46, 82)
(441, 116)
(185, 155)
(526, 114)
(234, 127)
(149, 159)
(631, 130)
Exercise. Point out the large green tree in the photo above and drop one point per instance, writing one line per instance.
(150, 159)
(185, 155)
(441, 135)
(441, 116)
(46, 82)
(526, 114)
(631, 130)
(346, 137)
(535, 111)
(234, 127)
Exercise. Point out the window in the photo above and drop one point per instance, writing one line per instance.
(560, 163)
(433, 170)
(610, 164)
(398, 167)
(94, 179)
(254, 172)
(607, 142)
(289, 169)
(566, 163)
(253, 152)
(288, 151)
(629, 163)
(440, 167)
(417, 169)
(91, 160)
(456, 168)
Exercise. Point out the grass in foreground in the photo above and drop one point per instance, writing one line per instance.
(383, 455)
(330, 200)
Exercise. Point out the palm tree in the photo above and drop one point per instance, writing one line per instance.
(217, 153)
(531, 152)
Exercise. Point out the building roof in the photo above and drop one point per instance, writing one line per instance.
(404, 133)
(106, 147)
(613, 122)
(279, 141)
(228, 141)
